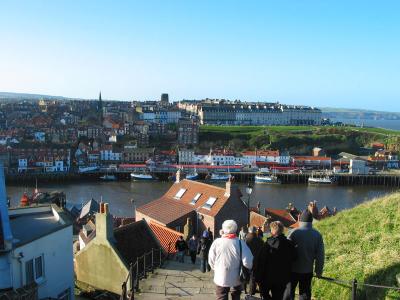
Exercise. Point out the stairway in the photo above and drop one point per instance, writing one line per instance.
(177, 281)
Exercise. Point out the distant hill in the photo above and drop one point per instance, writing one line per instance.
(362, 243)
(26, 96)
(344, 113)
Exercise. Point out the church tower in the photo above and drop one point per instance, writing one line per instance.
(100, 109)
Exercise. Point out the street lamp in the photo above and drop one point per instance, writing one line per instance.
(249, 190)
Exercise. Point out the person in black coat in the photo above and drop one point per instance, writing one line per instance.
(255, 244)
(202, 249)
(274, 263)
(180, 247)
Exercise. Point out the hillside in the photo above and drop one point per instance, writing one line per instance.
(362, 243)
(297, 139)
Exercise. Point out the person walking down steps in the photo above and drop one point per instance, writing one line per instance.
(226, 261)
(203, 249)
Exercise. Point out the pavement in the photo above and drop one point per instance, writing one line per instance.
(178, 281)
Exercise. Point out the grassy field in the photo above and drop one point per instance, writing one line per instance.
(282, 129)
(362, 243)
(296, 139)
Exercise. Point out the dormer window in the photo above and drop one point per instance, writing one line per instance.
(180, 193)
(194, 200)
(210, 202)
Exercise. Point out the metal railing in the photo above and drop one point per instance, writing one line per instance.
(139, 269)
(354, 285)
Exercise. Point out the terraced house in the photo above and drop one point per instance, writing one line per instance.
(202, 204)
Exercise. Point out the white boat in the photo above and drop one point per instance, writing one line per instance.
(87, 169)
(266, 179)
(139, 176)
(108, 177)
(192, 176)
(219, 177)
(321, 180)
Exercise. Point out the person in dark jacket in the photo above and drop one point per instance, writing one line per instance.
(193, 243)
(310, 255)
(274, 263)
(180, 246)
(203, 249)
(255, 244)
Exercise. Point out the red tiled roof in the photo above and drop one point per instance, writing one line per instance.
(167, 237)
(165, 210)
(256, 219)
(281, 215)
(168, 208)
(133, 240)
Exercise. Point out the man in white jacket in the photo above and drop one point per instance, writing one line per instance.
(224, 259)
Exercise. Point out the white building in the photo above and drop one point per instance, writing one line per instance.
(22, 165)
(358, 167)
(186, 156)
(35, 247)
(110, 155)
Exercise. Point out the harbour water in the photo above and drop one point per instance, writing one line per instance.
(387, 124)
(120, 193)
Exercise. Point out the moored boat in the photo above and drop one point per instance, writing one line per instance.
(267, 179)
(108, 177)
(192, 176)
(219, 177)
(324, 180)
(139, 176)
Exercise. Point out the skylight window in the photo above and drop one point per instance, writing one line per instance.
(194, 200)
(210, 202)
(180, 193)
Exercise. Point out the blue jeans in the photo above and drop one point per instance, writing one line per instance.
(180, 256)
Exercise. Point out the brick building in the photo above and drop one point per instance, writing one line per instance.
(203, 204)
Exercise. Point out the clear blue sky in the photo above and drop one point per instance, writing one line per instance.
(322, 53)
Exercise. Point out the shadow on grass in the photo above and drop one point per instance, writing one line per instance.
(385, 277)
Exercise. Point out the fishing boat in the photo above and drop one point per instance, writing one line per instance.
(139, 176)
(192, 176)
(108, 177)
(219, 177)
(323, 180)
(266, 179)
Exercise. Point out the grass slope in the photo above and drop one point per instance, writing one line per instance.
(362, 243)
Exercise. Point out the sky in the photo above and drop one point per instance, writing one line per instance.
(318, 53)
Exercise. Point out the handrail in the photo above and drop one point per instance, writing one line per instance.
(134, 274)
(354, 284)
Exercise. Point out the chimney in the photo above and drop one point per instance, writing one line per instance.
(178, 176)
(104, 224)
(228, 187)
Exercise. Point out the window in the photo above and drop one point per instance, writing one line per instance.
(38, 267)
(210, 202)
(194, 200)
(180, 193)
(34, 270)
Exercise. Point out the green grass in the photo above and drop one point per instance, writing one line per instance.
(282, 129)
(362, 243)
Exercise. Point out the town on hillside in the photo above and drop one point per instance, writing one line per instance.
(99, 138)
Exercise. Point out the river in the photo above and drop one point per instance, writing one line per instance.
(120, 193)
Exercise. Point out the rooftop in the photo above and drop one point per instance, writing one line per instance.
(31, 223)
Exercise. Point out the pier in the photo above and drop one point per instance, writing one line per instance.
(165, 173)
